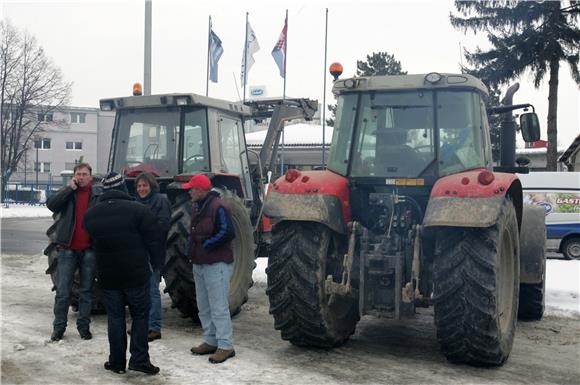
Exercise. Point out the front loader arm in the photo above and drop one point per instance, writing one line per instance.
(280, 112)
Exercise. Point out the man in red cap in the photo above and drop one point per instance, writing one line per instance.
(211, 253)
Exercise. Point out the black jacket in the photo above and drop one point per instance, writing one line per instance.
(63, 204)
(126, 238)
(160, 207)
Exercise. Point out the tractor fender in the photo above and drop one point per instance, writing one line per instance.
(460, 200)
(532, 244)
(316, 196)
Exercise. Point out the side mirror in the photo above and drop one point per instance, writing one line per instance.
(530, 126)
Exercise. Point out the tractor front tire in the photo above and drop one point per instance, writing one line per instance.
(178, 273)
(476, 284)
(302, 256)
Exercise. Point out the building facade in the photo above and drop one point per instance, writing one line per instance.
(67, 137)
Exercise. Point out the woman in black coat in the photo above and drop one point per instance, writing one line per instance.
(148, 193)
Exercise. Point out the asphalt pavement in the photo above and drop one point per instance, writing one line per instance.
(24, 236)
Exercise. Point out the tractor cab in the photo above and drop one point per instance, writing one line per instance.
(177, 135)
(412, 126)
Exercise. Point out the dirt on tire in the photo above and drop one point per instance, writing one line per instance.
(476, 282)
(302, 255)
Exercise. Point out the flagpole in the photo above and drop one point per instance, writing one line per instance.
(324, 90)
(208, 48)
(245, 59)
(285, 55)
(284, 92)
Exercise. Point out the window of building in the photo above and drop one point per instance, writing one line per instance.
(77, 117)
(42, 144)
(42, 166)
(74, 145)
(45, 117)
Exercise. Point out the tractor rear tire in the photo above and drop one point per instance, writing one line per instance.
(476, 277)
(533, 253)
(302, 256)
(532, 301)
(98, 306)
(177, 272)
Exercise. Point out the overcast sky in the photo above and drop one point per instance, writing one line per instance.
(99, 46)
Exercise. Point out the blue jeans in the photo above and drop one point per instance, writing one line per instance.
(212, 287)
(68, 262)
(138, 300)
(155, 314)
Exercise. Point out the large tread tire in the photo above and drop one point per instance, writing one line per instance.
(98, 306)
(533, 245)
(476, 284)
(532, 301)
(302, 255)
(177, 272)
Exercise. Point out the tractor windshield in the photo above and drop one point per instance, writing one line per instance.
(395, 133)
(148, 140)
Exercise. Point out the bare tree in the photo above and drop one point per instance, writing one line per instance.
(31, 87)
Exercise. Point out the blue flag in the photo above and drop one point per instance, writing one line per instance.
(215, 52)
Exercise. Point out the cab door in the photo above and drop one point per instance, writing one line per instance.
(234, 158)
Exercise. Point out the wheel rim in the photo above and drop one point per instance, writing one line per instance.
(573, 250)
(505, 300)
(333, 266)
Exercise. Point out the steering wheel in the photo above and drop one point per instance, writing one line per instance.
(194, 159)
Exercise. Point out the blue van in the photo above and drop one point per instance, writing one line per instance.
(559, 194)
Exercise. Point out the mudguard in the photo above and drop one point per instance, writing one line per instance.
(317, 196)
(459, 200)
(532, 244)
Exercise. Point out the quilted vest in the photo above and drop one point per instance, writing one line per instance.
(202, 227)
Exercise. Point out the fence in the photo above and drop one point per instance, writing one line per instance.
(30, 194)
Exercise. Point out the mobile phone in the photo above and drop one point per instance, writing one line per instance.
(76, 182)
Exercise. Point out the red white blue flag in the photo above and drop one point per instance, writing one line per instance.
(279, 52)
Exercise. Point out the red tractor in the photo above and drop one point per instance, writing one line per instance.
(409, 213)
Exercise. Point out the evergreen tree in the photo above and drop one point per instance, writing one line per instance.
(378, 63)
(525, 35)
(492, 101)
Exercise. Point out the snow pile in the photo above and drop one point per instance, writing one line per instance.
(24, 211)
(295, 135)
(563, 287)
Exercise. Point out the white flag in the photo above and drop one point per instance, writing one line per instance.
(251, 47)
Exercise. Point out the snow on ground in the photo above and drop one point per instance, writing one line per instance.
(562, 276)
(562, 287)
(23, 211)
(544, 352)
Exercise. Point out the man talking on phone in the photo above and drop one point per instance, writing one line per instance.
(75, 250)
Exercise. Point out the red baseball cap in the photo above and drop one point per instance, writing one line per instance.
(198, 181)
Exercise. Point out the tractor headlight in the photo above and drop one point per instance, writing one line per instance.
(433, 77)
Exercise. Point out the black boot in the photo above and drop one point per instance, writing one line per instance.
(147, 368)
